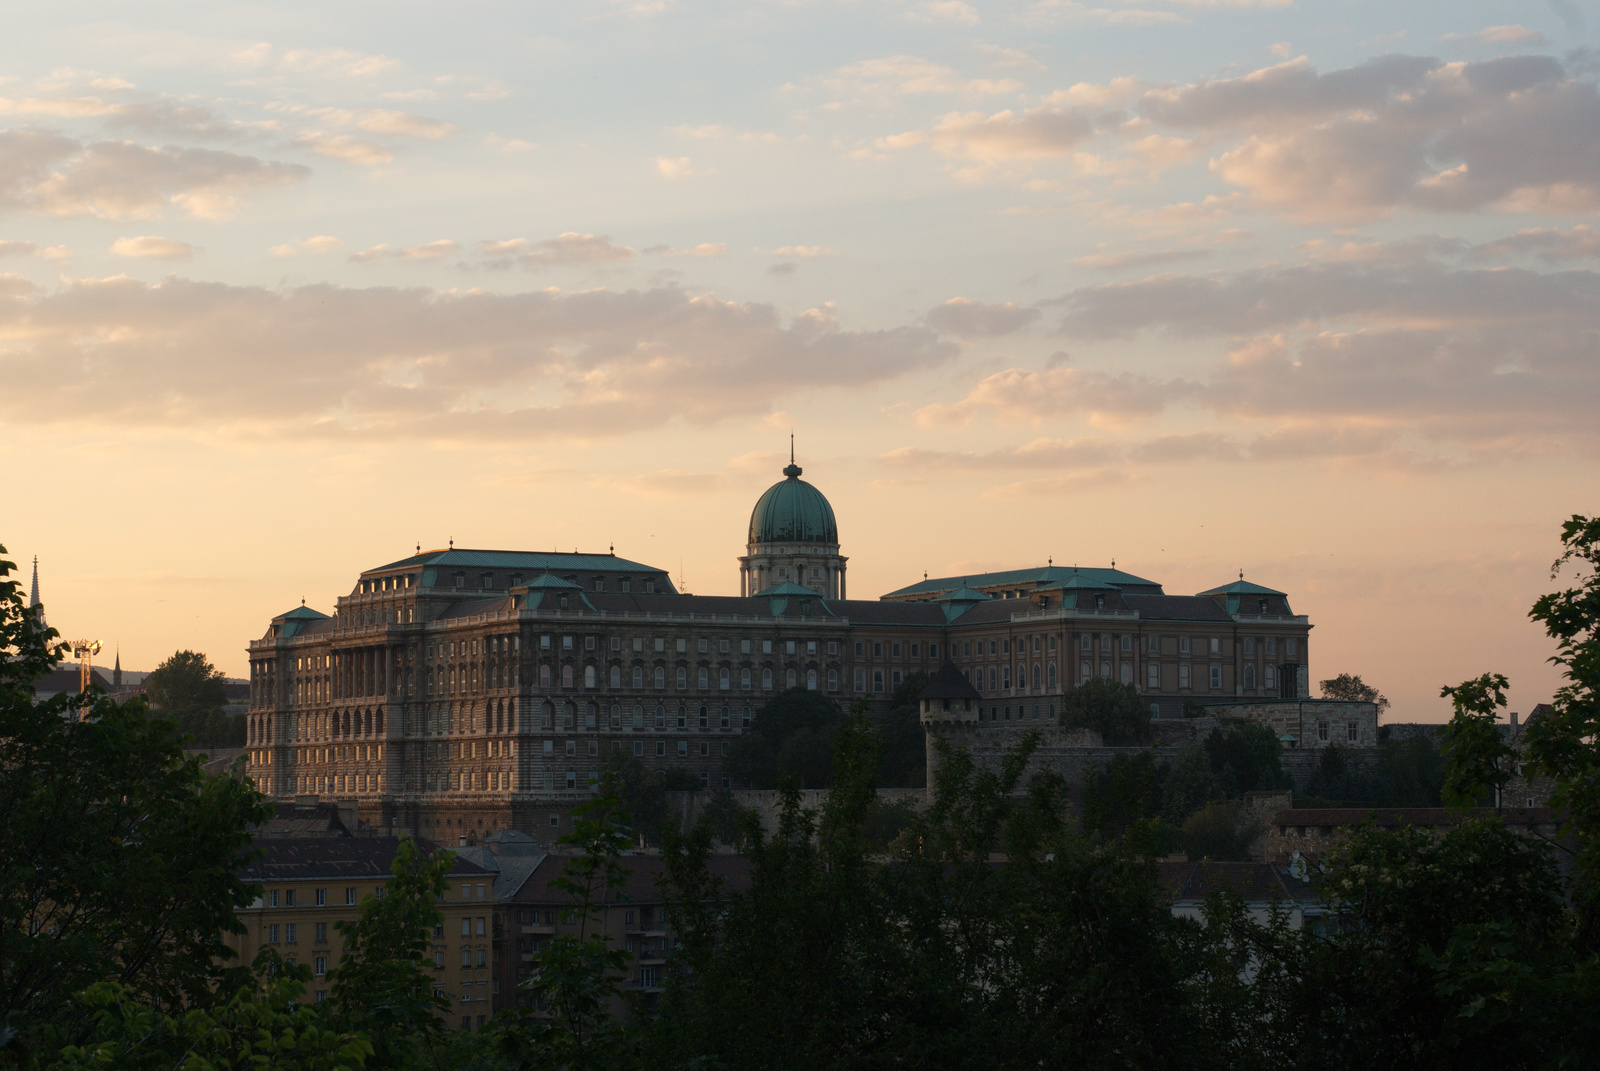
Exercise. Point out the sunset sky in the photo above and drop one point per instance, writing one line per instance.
(1307, 289)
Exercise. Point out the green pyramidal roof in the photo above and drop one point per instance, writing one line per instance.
(793, 511)
(1242, 587)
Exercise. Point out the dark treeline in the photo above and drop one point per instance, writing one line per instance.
(1000, 927)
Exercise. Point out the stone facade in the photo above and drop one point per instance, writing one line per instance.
(456, 692)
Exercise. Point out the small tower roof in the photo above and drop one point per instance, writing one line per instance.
(948, 682)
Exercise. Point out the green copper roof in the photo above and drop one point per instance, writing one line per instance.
(788, 587)
(534, 561)
(548, 581)
(793, 511)
(304, 613)
(1047, 577)
(1241, 587)
(964, 594)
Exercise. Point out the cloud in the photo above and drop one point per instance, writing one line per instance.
(1515, 133)
(1034, 134)
(29, 249)
(888, 80)
(344, 147)
(1500, 35)
(1548, 244)
(337, 63)
(1036, 396)
(1105, 260)
(966, 318)
(56, 107)
(566, 248)
(674, 167)
(804, 252)
(56, 175)
(381, 121)
(169, 119)
(390, 363)
(437, 250)
(1448, 354)
(1041, 453)
(152, 247)
(704, 249)
(944, 11)
(322, 243)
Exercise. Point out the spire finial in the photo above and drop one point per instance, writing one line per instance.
(1113, 563)
(1050, 562)
(791, 448)
(419, 546)
(452, 542)
(1241, 574)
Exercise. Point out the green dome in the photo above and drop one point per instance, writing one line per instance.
(793, 511)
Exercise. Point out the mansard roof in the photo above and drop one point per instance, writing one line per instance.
(1048, 576)
(1242, 587)
(307, 858)
(1176, 608)
(548, 561)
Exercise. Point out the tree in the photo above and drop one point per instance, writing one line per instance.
(577, 977)
(904, 751)
(1351, 688)
(189, 689)
(119, 857)
(266, 1028)
(1245, 758)
(792, 735)
(1565, 743)
(1213, 832)
(1113, 710)
(383, 986)
(1478, 760)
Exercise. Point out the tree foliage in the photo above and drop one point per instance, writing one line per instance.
(791, 736)
(1351, 688)
(1478, 760)
(193, 692)
(1113, 710)
(119, 857)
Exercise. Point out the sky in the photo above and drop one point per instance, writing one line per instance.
(1299, 288)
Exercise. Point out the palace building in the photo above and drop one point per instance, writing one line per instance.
(456, 692)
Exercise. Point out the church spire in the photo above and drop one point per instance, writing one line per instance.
(116, 671)
(33, 599)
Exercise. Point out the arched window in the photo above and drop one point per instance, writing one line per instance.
(1085, 671)
(661, 716)
(724, 679)
(811, 680)
(705, 678)
(616, 716)
(616, 676)
(744, 679)
(544, 676)
(833, 680)
(1037, 678)
(1050, 674)
(1127, 673)
(566, 676)
(638, 676)
(589, 680)
(704, 713)
(661, 677)
(1249, 677)
(1105, 670)
(683, 678)
(766, 680)
(788, 678)
(638, 715)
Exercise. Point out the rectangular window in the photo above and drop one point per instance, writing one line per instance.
(272, 898)
(319, 966)
(877, 681)
(861, 648)
(322, 933)
(288, 933)
(349, 896)
(322, 897)
(1289, 649)
(933, 650)
(638, 747)
(272, 935)
(1183, 675)
(1154, 645)
(466, 927)
(1216, 677)
(288, 898)
(1152, 675)
(1183, 644)
(683, 749)
(861, 679)
(1322, 731)
(1355, 734)
(895, 650)
(661, 748)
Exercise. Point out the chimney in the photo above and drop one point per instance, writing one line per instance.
(1513, 719)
